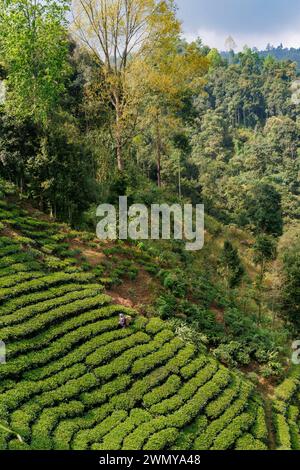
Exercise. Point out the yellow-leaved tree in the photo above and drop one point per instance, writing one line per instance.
(122, 35)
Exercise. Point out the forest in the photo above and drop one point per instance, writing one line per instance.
(106, 98)
(280, 53)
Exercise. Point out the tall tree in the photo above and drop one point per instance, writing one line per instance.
(231, 265)
(265, 251)
(263, 207)
(290, 293)
(119, 32)
(171, 74)
(34, 48)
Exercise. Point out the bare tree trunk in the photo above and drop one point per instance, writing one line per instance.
(119, 154)
(158, 153)
(179, 178)
(260, 291)
(118, 135)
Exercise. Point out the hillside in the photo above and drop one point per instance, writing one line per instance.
(74, 380)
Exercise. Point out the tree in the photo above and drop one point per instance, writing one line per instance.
(34, 48)
(231, 265)
(211, 146)
(60, 174)
(119, 33)
(290, 307)
(277, 86)
(171, 75)
(51, 159)
(19, 141)
(263, 208)
(264, 253)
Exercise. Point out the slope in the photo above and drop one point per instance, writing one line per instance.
(74, 380)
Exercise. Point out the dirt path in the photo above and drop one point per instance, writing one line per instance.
(269, 422)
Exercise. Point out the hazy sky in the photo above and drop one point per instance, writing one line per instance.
(251, 22)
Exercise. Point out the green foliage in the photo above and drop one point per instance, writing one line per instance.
(33, 46)
(174, 281)
(75, 380)
(248, 442)
(259, 429)
(287, 389)
(282, 432)
(206, 440)
(232, 265)
(263, 210)
(291, 281)
(166, 305)
(76, 131)
(220, 404)
(232, 353)
(227, 437)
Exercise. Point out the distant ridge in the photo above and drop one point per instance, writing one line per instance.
(279, 53)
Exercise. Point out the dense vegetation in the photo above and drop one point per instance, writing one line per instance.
(117, 103)
(279, 53)
(74, 380)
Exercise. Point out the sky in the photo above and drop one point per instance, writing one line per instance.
(254, 23)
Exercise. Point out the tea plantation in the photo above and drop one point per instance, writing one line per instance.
(74, 380)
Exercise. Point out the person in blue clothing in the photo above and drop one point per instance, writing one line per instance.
(122, 321)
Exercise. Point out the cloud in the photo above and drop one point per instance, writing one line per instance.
(252, 22)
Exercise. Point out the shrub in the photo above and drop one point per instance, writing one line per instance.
(137, 438)
(218, 406)
(28, 312)
(97, 340)
(41, 431)
(187, 437)
(207, 392)
(40, 322)
(15, 279)
(227, 438)
(107, 391)
(85, 319)
(260, 430)
(114, 439)
(140, 366)
(42, 283)
(161, 439)
(134, 395)
(205, 441)
(187, 391)
(105, 353)
(170, 387)
(232, 353)
(287, 389)
(66, 430)
(175, 281)
(166, 305)
(293, 416)
(190, 370)
(84, 438)
(24, 390)
(248, 442)
(154, 326)
(124, 362)
(283, 436)
(25, 300)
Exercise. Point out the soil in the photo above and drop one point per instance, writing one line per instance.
(93, 256)
(139, 294)
(219, 313)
